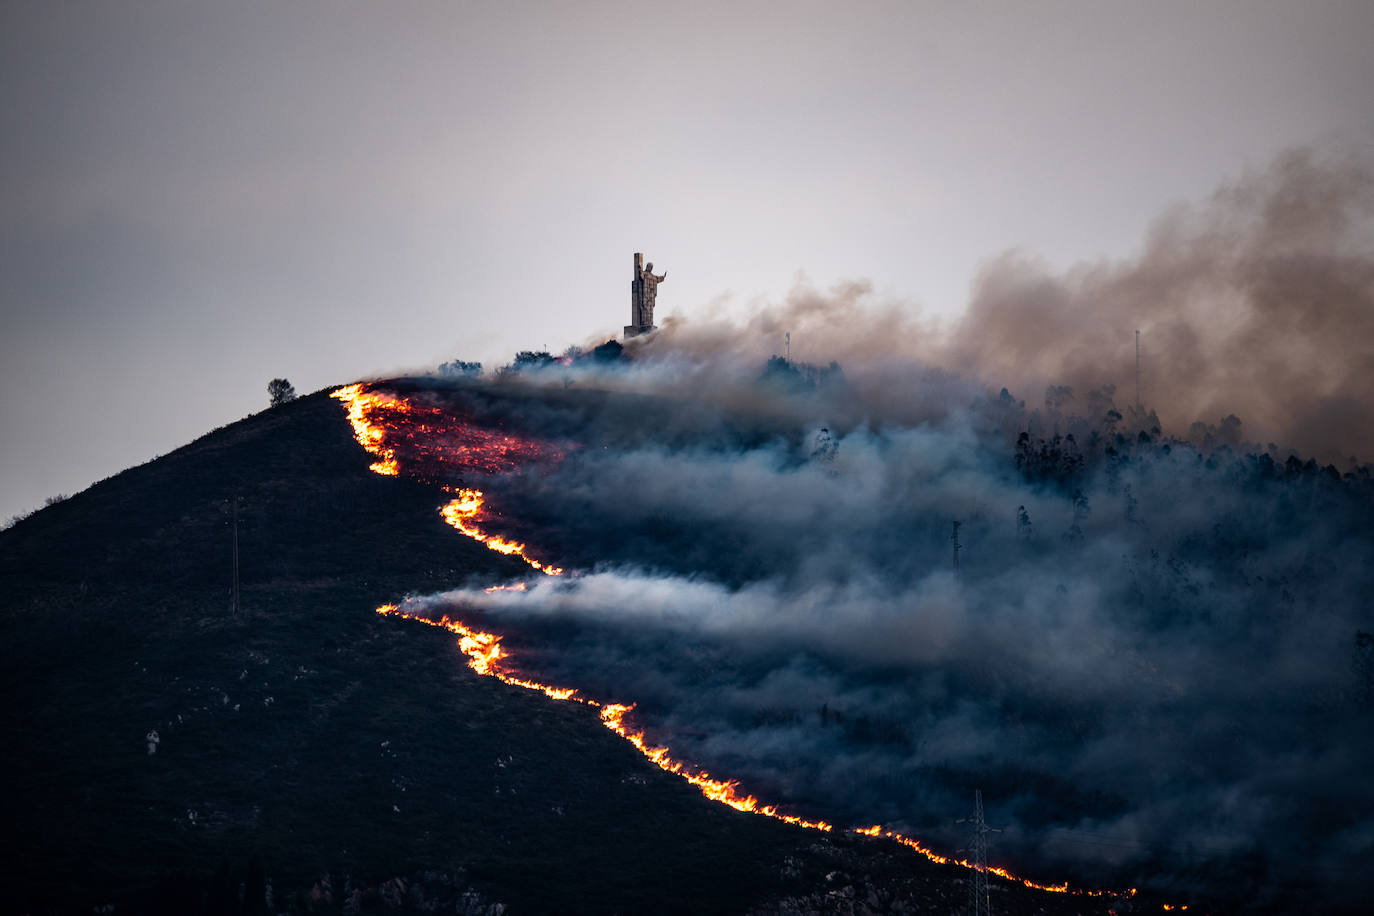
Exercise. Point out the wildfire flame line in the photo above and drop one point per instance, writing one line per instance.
(358, 400)
(486, 656)
(462, 514)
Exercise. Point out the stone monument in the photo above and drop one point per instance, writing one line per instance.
(643, 292)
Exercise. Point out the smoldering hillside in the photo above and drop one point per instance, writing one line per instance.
(1153, 656)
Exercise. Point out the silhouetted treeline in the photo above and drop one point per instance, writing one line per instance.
(1058, 447)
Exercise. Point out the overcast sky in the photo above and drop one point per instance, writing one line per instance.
(197, 197)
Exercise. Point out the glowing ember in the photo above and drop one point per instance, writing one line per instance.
(430, 441)
(434, 440)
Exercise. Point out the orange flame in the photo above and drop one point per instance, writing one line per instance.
(488, 451)
(371, 436)
(724, 791)
(462, 513)
(486, 656)
(433, 441)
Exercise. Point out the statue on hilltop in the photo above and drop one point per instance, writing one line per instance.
(643, 293)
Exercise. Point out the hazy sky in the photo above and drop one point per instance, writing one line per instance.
(196, 197)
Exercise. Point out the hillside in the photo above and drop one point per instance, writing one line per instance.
(309, 745)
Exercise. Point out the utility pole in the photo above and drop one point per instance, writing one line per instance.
(955, 538)
(235, 592)
(979, 903)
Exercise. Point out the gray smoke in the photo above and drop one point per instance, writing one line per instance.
(1258, 303)
(1150, 656)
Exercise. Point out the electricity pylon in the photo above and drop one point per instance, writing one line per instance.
(979, 903)
(236, 557)
(233, 509)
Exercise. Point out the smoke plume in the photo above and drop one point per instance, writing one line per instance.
(1258, 303)
(1151, 656)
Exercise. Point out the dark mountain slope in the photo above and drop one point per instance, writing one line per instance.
(307, 736)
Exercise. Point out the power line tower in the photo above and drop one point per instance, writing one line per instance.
(979, 903)
(955, 538)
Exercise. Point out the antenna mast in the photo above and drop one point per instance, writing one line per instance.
(1137, 369)
(788, 337)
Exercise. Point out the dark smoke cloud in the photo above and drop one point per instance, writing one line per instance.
(1149, 658)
